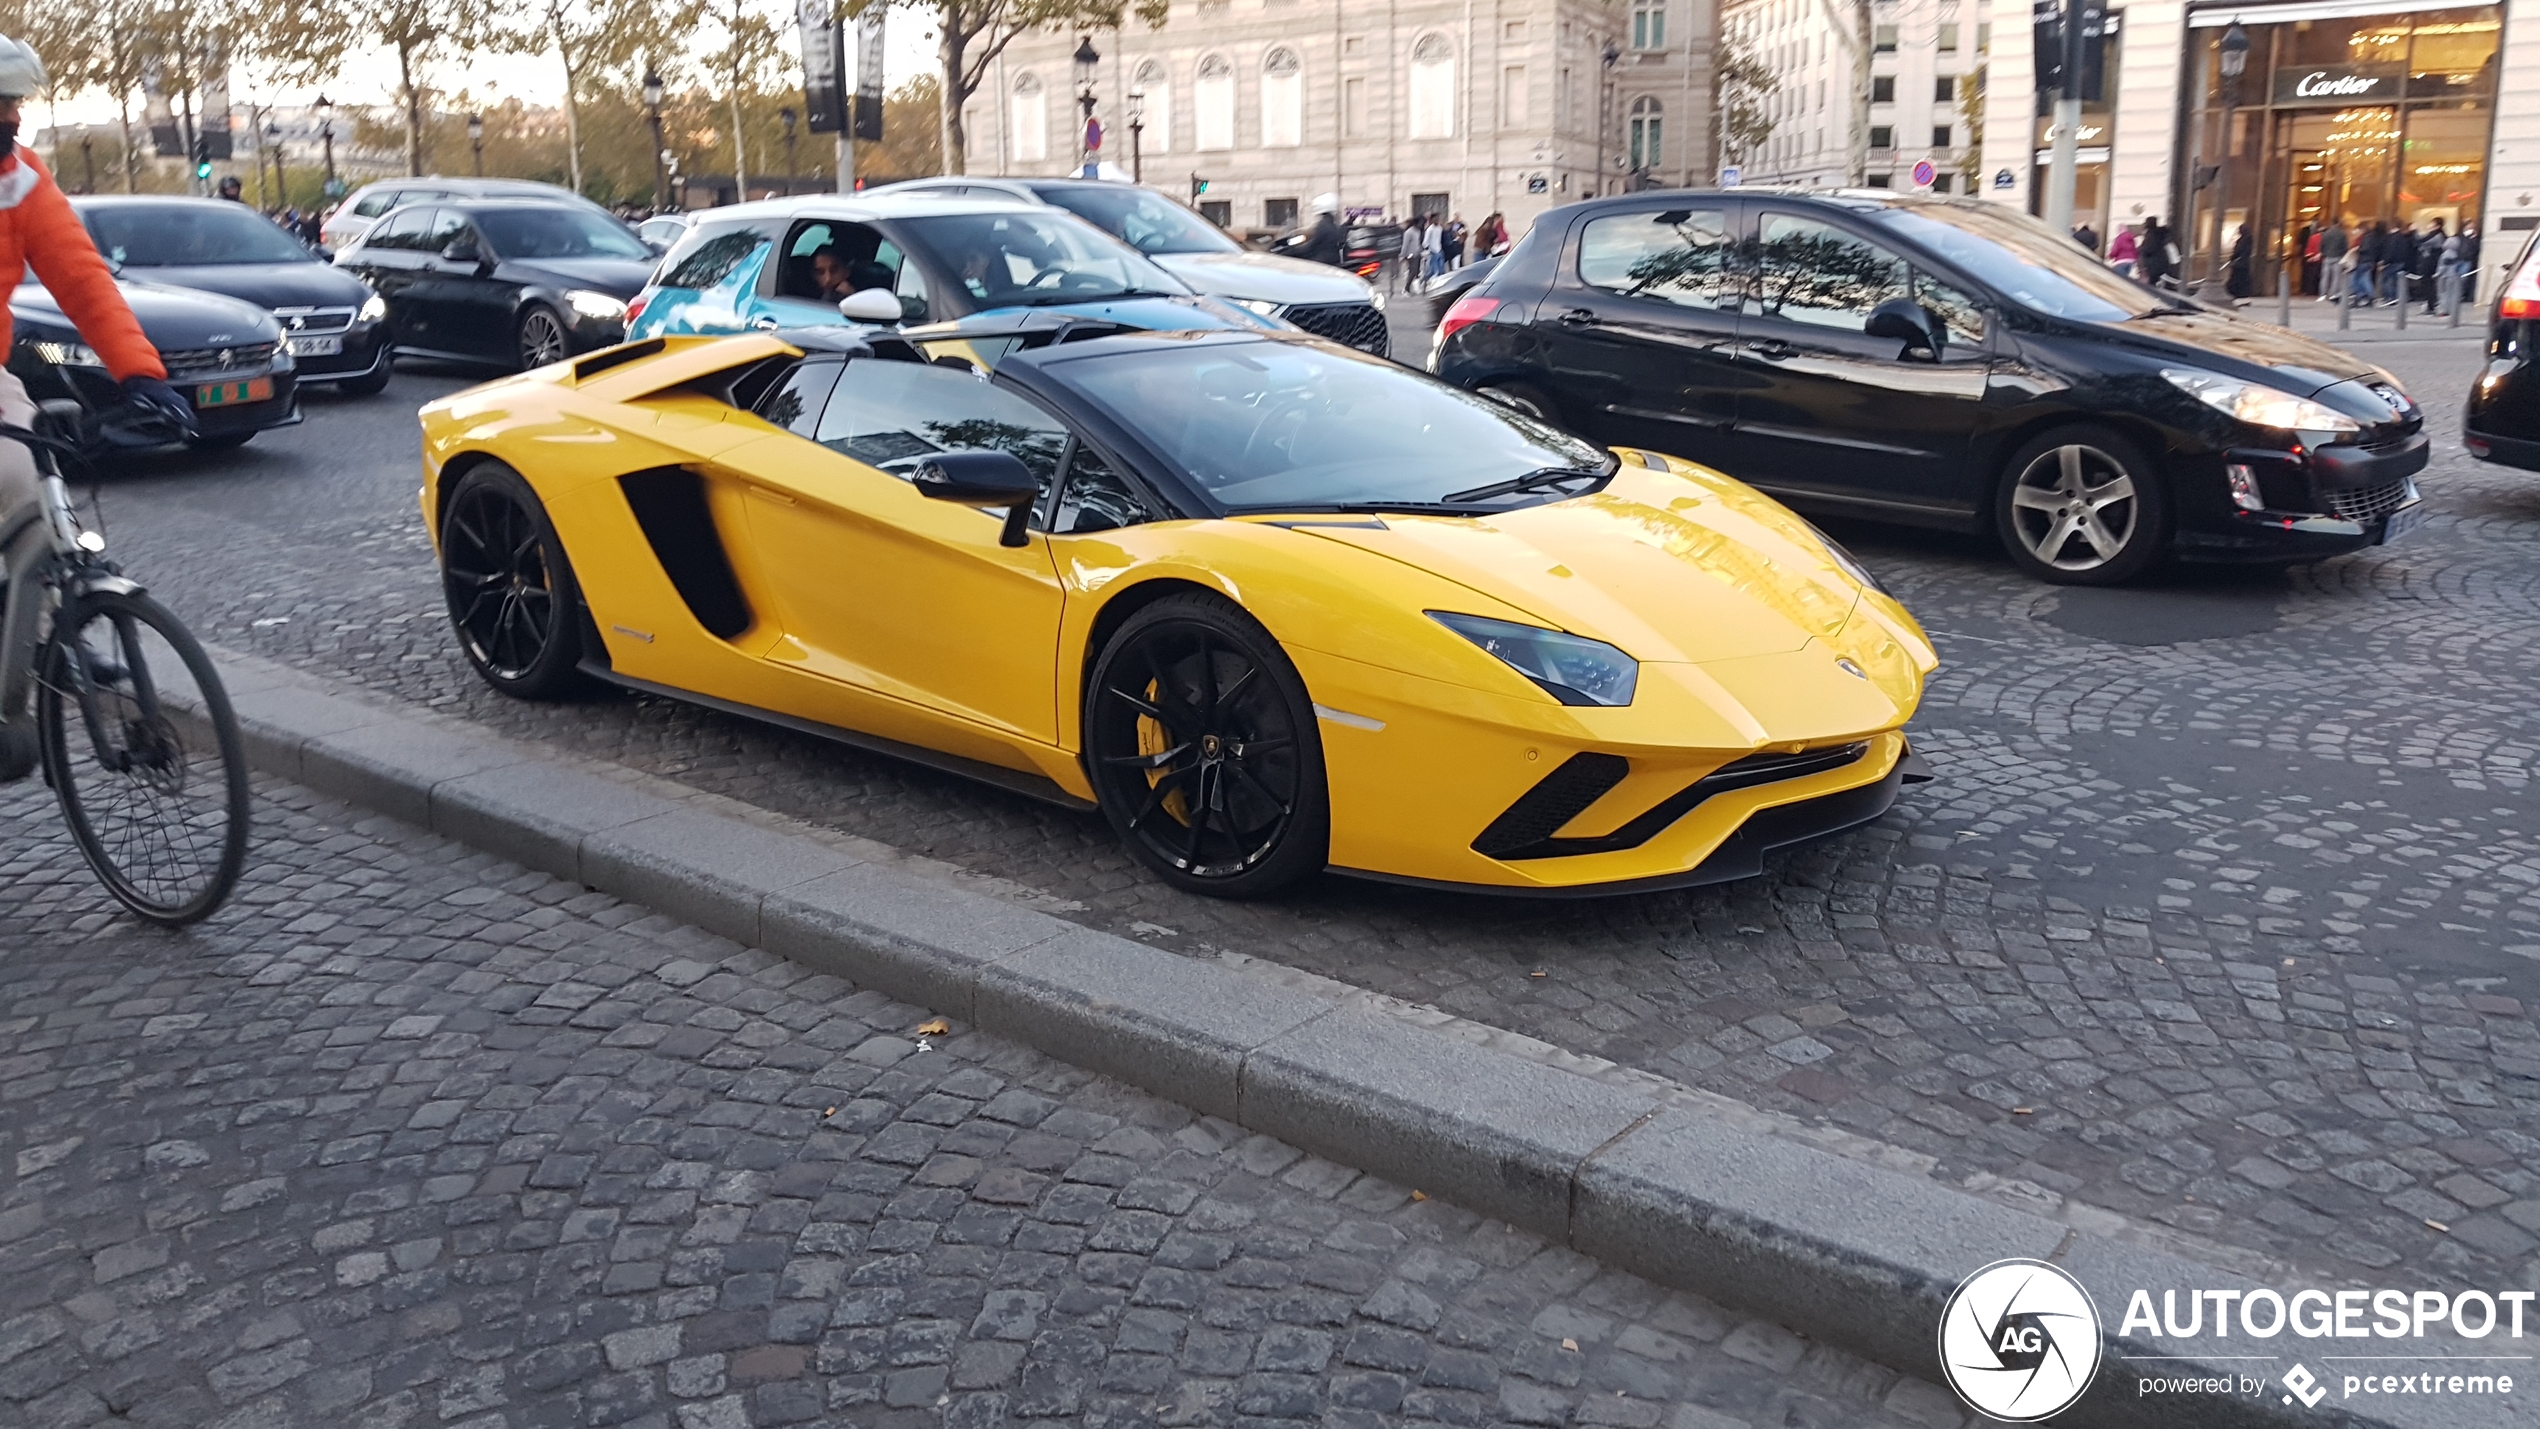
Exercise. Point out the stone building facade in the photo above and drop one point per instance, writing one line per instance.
(1921, 53)
(1396, 106)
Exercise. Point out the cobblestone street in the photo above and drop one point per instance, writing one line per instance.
(2222, 916)
(413, 1137)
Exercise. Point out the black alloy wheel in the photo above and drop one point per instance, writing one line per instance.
(542, 338)
(1204, 752)
(513, 600)
(2082, 505)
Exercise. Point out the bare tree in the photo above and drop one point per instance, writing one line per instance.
(1971, 117)
(1745, 82)
(309, 42)
(752, 44)
(971, 34)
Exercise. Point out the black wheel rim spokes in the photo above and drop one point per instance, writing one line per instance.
(541, 341)
(1190, 736)
(495, 574)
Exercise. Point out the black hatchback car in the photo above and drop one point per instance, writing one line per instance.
(517, 283)
(1946, 363)
(2502, 424)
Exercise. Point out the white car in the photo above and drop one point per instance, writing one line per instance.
(1326, 301)
(371, 202)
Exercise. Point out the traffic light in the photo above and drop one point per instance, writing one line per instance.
(202, 157)
(1198, 186)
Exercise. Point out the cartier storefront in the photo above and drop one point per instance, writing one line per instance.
(2335, 115)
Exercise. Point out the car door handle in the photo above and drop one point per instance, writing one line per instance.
(1772, 349)
(1577, 317)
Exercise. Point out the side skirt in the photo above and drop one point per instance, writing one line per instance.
(1013, 781)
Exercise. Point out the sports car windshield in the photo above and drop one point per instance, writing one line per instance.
(1148, 222)
(531, 233)
(2025, 261)
(1008, 260)
(1279, 426)
(171, 235)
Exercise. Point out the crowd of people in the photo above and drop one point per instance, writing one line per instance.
(2376, 262)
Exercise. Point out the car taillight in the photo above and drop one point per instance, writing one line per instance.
(635, 307)
(2522, 291)
(1468, 310)
(2521, 308)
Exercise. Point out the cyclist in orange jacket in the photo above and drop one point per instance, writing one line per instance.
(38, 230)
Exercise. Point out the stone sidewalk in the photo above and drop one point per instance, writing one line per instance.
(410, 1136)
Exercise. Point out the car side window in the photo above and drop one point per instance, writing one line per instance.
(707, 257)
(450, 226)
(1097, 498)
(795, 403)
(892, 414)
(870, 260)
(375, 203)
(1961, 316)
(1808, 271)
(404, 229)
(1680, 256)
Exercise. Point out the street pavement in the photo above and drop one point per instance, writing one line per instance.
(2222, 917)
(413, 1136)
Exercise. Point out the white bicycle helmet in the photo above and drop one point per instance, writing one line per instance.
(21, 73)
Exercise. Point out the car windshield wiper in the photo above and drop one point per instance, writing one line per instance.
(1542, 478)
(1410, 508)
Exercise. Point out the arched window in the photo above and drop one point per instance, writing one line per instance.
(1432, 88)
(1648, 133)
(1030, 120)
(1214, 99)
(1649, 24)
(1282, 100)
(1157, 85)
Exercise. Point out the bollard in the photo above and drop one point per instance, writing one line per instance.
(2283, 298)
(2405, 297)
(2452, 299)
(2344, 296)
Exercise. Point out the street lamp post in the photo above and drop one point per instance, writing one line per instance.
(326, 136)
(652, 112)
(281, 183)
(1604, 106)
(476, 141)
(785, 118)
(2235, 60)
(1137, 135)
(1088, 65)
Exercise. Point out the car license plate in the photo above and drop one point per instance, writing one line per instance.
(2402, 521)
(231, 394)
(316, 346)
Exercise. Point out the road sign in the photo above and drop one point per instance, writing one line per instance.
(1924, 173)
(2002, 180)
(1729, 176)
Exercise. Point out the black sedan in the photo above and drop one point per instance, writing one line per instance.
(511, 282)
(331, 320)
(226, 356)
(1944, 363)
(2503, 421)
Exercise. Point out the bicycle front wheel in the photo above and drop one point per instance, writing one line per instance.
(143, 750)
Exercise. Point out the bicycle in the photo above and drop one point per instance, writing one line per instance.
(134, 731)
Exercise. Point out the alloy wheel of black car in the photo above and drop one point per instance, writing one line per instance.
(512, 597)
(2081, 506)
(541, 338)
(1203, 750)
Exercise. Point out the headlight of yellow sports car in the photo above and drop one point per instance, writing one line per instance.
(1570, 668)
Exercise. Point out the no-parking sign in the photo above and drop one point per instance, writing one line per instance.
(1924, 173)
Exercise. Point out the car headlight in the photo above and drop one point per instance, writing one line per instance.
(67, 354)
(1570, 668)
(1850, 563)
(598, 307)
(2259, 405)
(1263, 306)
(375, 308)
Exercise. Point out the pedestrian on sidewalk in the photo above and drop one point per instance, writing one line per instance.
(2239, 280)
(2368, 247)
(2469, 263)
(2447, 273)
(1455, 241)
(2429, 263)
(1435, 239)
(2121, 251)
(2332, 270)
(1415, 253)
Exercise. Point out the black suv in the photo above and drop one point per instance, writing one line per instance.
(1941, 362)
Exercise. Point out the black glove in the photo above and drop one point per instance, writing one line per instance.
(150, 398)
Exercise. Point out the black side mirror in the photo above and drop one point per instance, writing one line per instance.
(982, 478)
(463, 252)
(1908, 322)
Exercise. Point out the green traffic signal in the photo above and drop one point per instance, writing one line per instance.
(203, 170)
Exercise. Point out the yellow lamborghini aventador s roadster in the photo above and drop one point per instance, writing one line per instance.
(1272, 605)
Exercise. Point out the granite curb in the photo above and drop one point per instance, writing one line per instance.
(1633, 1172)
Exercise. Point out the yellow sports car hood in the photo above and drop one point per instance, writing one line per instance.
(1667, 569)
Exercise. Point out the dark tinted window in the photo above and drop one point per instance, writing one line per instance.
(1678, 256)
(795, 402)
(404, 229)
(375, 203)
(1097, 498)
(1960, 314)
(157, 235)
(558, 233)
(708, 256)
(1807, 271)
(890, 414)
(449, 226)
(2023, 260)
